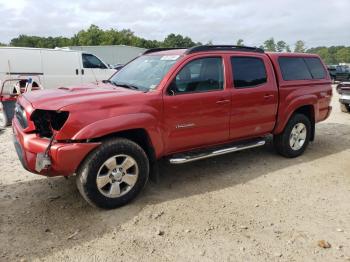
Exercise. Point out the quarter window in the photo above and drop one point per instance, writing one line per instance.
(200, 75)
(248, 71)
(294, 68)
(91, 61)
(316, 68)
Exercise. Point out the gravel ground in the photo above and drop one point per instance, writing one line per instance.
(247, 206)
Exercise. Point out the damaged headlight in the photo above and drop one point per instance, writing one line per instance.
(46, 121)
(21, 115)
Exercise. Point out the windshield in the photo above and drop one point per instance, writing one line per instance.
(145, 72)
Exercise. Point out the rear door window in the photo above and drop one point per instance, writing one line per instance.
(316, 68)
(248, 72)
(294, 68)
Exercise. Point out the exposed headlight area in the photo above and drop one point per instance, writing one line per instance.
(48, 121)
(21, 116)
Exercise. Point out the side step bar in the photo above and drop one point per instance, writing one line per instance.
(183, 158)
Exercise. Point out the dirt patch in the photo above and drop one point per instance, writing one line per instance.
(247, 206)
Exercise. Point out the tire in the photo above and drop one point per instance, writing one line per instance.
(284, 142)
(3, 119)
(106, 180)
(345, 108)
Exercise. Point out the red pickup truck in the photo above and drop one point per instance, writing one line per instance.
(179, 104)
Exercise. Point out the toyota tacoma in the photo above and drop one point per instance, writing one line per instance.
(177, 104)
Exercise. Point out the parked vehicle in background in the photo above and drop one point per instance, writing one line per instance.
(332, 70)
(53, 67)
(117, 66)
(10, 89)
(179, 104)
(111, 54)
(344, 91)
(339, 72)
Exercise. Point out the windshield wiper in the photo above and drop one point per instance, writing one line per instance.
(126, 85)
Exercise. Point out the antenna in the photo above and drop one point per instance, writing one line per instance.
(9, 67)
(17, 88)
(93, 73)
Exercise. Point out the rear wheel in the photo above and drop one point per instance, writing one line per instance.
(295, 137)
(345, 108)
(113, 174)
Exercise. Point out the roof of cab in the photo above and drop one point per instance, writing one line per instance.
(167, 52)
(218, 48)
(201, 48)
(277, 54)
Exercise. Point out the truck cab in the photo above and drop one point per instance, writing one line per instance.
(177, 104)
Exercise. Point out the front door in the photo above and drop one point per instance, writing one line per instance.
(197, 106)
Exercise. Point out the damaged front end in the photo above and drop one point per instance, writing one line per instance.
(47, 123)
(39, 144)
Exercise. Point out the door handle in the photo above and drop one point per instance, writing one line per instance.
(267, 96)
(76, 71)
(82, 71)
(221, 102)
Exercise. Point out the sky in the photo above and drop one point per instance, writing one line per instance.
(317, 22)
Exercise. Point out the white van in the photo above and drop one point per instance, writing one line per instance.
(53, 67)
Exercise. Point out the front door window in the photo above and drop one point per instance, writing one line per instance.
(200, 75)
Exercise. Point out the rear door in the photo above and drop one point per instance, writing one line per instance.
(254, 96)
(93, 69)
(197, 105)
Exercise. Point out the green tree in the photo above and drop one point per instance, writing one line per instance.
(299, 47)
(324, 53)
(173, 40)
(240, 42)
(343, 55)
(92, 36)
(281, 46)
(96, 36)
(270, 45)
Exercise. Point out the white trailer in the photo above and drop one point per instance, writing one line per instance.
(53, 67)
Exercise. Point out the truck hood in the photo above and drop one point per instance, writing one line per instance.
(86, 95)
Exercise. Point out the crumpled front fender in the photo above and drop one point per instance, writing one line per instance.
(121, 123)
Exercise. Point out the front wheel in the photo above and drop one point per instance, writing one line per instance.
(113, 174)
(295, 137)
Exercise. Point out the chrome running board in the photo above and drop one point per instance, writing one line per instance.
(185, 158)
